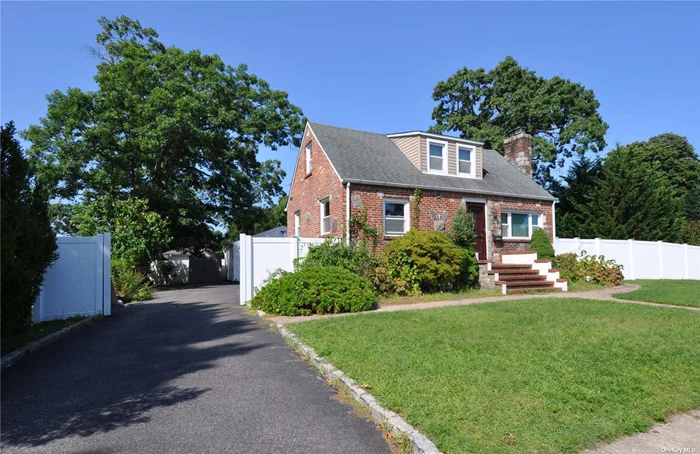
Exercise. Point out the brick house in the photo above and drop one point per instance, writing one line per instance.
(341, 171)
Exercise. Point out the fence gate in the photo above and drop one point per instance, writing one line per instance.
(78, 283)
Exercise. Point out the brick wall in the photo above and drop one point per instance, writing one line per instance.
(371, 198)
(308, 190)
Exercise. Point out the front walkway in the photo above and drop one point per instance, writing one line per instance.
(188, 372)
(605, 294)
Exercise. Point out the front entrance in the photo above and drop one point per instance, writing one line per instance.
(479, 212)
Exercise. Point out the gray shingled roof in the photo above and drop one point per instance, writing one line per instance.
(369, 157)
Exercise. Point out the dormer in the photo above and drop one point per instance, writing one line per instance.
(441, 155)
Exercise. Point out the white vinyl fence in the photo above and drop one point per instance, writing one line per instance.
(78, 283)
(641, 259)
(260, 256)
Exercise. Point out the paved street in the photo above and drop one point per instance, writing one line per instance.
(188, 372)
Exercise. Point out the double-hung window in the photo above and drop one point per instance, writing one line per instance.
(395, 217)
(437, 156)
(308, 157)
(519, 225)
(465, 161)
(325, 216)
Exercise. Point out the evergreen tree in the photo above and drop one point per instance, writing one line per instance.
(631, 200)
(578, 183)
(28, 242)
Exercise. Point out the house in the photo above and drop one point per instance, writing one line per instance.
(341, 172)
(275, 232)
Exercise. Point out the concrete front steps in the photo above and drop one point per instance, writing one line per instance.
(521, 272)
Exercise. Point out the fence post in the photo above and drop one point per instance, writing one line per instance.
(661, 259)
(596, 246)
(687, 266)
(577, 243)
(631, 245)
(243, 269)
(107, 277)
(294, 251)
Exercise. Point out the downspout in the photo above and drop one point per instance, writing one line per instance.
(554, 225)
(347, 212)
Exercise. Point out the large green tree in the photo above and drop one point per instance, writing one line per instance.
(561, 115)
(631, 200)
(179, 129)
(28, 244)
(675, 157)
(573, 191)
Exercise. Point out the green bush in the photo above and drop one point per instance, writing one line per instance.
(353, 257)
(316, 290)
(540, 243)
(438, 264)
(589, 268)
(462, 232)
(129, 284)
(28, 242)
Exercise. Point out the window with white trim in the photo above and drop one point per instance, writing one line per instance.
(519, 225)
(396, 217)
(437, 157)
(325, 215)
(297, 224)
(308, 157)
(466, 166)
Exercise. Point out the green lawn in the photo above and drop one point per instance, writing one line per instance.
(667, 291)
(430, 297)
(544, 375)
(34, 332)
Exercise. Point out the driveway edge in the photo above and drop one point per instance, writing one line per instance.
(382, 416)
(12, 357)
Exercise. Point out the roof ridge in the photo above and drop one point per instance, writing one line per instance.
(346, 129)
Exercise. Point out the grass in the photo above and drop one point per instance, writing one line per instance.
(430, 297)
(542, 375)
(666, 291)
(583, 286)
(35, 332)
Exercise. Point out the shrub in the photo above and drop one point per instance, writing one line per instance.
(462, 232)
(540, 243)
(129, 284)
(590, 268)
(316, 290)
(353, 257)
(439, 264)
(28, 242)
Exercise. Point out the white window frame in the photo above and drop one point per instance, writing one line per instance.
(508, 235)
(472, 154)
(307, 152)
(297, 224)
(406, 216)
(445, 155)
(322, 203)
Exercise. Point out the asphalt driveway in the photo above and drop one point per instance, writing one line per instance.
(189, 372)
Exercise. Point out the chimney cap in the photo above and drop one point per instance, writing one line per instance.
(517, 131)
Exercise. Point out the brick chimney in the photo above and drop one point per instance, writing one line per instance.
(518, 150)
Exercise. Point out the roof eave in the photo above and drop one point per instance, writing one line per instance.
(437, 188)
(436, 136)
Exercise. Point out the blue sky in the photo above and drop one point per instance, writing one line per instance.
(372, 66)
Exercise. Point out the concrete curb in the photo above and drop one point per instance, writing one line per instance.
(12, 357)
(386, 418)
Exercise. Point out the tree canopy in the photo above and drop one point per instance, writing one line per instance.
(561, 115)
(178, 129)
(631, 200)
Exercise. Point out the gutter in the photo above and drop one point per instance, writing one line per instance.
(347, 212)
(435, 188)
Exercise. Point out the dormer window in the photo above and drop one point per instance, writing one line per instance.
(437, 157)
(308, 157)
(465, 161)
